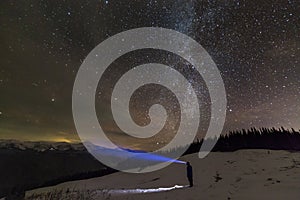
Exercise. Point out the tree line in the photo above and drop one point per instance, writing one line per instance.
(262, 138)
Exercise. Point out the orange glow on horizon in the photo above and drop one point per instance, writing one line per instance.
(65, 140)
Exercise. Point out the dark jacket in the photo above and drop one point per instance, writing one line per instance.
(189, 171)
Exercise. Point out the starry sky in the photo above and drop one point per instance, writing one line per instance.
(255, 44)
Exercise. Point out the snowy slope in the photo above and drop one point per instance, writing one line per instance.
(244, 174)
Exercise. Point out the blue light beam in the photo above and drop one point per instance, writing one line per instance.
(140, 155)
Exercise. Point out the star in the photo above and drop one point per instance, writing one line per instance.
(256, 51)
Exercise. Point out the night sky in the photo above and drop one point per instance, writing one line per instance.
(256, 46)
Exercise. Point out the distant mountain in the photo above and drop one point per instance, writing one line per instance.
(41, 146)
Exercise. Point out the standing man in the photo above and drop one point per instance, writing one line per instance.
(189, 173)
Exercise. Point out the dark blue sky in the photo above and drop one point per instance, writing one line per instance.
(256, 46)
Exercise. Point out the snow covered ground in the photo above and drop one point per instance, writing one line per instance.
(244, 174)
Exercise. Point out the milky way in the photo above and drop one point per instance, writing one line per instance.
(256, 46)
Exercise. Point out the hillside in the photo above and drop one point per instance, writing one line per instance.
(29, 165)
(26, 167)
(243, 174)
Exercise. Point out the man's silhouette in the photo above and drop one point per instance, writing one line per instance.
(189, 173)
